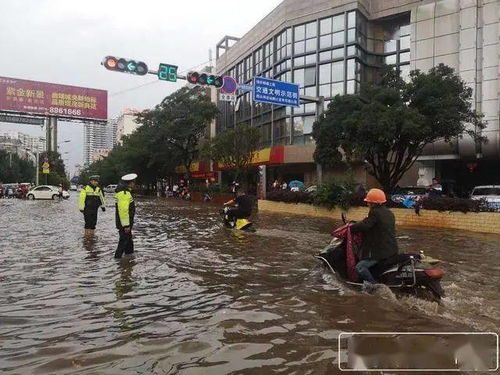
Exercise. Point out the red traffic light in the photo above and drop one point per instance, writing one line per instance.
(192, 77)
(120, 64)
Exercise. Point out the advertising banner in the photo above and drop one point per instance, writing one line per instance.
(49, 99)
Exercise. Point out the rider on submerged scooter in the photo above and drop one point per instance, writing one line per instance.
(243, 202)
(378, 233)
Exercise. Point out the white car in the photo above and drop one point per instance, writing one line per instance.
(490, 193)
(46, 192)
(110, 188)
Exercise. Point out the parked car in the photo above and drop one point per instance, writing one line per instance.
(110, 188)
(73, 187)
(413, 192)
(46, 192)
(490, 193)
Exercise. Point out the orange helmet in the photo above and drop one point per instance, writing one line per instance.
(375, 196)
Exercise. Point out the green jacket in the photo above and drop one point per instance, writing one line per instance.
(125, 207)
(379, 234)
(91, 198)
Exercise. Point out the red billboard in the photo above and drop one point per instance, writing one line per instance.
(50, 99)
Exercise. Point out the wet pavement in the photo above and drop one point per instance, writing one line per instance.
(199, 298)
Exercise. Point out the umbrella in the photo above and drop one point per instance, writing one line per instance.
(297, 184)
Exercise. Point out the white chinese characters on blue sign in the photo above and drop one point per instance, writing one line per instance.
(272, 91)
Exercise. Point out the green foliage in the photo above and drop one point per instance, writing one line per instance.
(179, 123)
(389, 123)
(14, 169)
(288, 196)
(169, 137)
(334, 193)
(233, 148)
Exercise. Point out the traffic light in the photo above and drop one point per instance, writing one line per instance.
(205, 79)
(119, 64)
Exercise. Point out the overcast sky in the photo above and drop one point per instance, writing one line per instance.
(64, 41)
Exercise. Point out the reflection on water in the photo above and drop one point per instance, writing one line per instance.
(199, 298)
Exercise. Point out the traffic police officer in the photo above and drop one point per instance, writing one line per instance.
(125, 212)
(91, 198)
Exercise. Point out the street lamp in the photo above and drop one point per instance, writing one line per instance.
(36, 158)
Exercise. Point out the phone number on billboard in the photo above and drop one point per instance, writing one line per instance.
(65, 111)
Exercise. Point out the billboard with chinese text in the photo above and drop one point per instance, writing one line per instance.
(49, 99)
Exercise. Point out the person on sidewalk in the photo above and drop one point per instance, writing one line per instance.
(91, 198)
(378, 233)
(125, 212)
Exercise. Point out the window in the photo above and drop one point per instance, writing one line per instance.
(337, 71)
(305, 37)
(390, 60)
(338, 22)
(325, 26)
(351, 35)
(311, 59)
(404, 57)
(351, 19)
(390, 46)
(351, 87)
(338, 88)
(337, 53)
(404, 42)
(325, 41)
(325, 73)
(338, 38)
(299, 47)
(283, 44)
(299, 32)
(324, 56)
(310, 76)
(268, 54)
(257, 57)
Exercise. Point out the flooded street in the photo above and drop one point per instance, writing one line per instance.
(201, 299)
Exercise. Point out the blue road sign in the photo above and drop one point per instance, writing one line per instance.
(272, 91)
(245, 87)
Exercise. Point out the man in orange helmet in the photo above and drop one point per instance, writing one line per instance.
(379, 235)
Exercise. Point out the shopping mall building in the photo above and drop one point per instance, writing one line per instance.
(330, 47)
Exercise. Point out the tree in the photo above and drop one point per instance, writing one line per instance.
(233, 148)
(390, 122)
(14, 169)
(57, 169)
(179, 122)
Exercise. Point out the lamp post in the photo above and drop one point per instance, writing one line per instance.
(36, 158)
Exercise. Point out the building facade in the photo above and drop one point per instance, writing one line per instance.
(126, 124)
(330, 47)
(95, 137)
(17, 142)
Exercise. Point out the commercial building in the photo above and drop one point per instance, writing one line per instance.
(17, 142)
(330, 47)
(126, 124)
(99, 140)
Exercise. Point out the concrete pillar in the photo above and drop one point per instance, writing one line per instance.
(263, 181)
(426, 172)
(53, 121)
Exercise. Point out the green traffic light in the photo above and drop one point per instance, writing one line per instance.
(210, 80)
(131, 66)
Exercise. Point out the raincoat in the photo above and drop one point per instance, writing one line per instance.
(352, 243)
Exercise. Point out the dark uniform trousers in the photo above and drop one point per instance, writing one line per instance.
(125, 244)
(90, 216)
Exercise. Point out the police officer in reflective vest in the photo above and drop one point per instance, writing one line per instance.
(125, 212)
(91, 198)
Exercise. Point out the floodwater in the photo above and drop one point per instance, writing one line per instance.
(201, 299)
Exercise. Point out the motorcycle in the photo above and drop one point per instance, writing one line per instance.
(233, 223)
(408, 273)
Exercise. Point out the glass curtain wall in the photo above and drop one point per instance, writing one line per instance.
(325, 57)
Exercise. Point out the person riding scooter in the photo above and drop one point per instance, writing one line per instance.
(379, 235)
(243, 202)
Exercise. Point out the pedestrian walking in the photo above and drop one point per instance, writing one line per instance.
(125, 212)
(91, 198)
(60, 191)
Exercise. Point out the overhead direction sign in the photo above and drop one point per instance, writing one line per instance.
(272, 91)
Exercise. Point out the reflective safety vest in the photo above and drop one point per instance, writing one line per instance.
(91, 198)
(125, 209)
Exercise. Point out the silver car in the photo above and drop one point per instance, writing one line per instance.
(490, 193)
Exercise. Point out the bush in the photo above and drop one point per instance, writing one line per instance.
(453, 204)
(218, 188)
(288, 196)
(333, 193)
